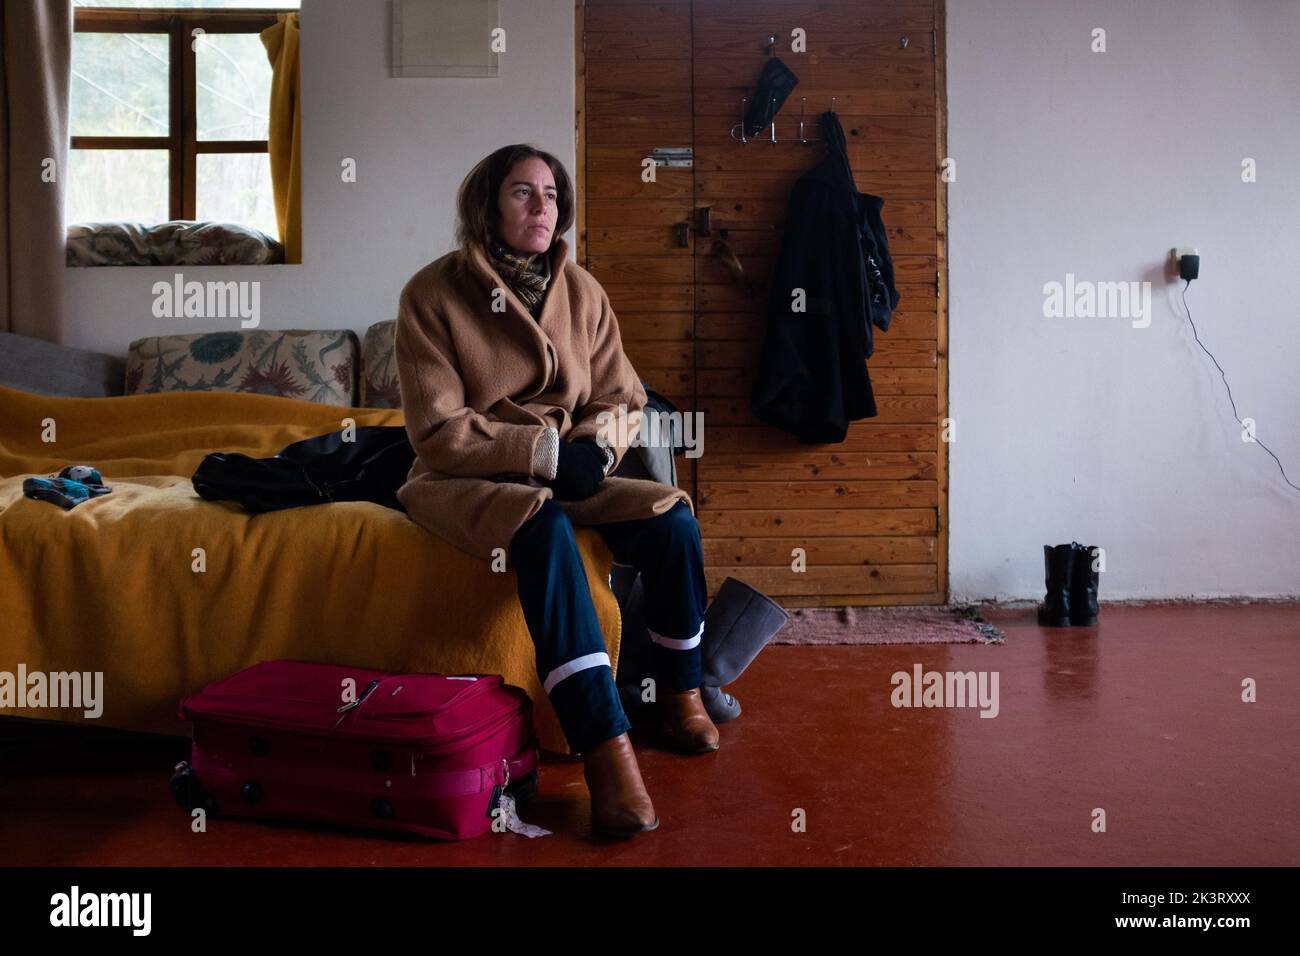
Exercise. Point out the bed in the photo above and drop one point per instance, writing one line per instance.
(164, 592)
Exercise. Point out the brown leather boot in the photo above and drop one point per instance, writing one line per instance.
(687, 723)
(620, 805)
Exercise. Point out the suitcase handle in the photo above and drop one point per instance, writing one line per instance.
(480, 779)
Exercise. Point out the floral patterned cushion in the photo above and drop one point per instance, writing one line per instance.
(379, 387)
(178, 242)
(318, 366)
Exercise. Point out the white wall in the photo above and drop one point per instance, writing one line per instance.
(1098, 164)
(414, 139)
(1068, 161)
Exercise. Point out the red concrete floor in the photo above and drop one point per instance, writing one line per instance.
(1141, 716)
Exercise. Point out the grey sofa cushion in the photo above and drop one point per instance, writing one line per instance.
(35, 365)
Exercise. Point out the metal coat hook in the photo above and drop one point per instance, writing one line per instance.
(741, 125)
(803, 107)
(903, 41)
(771, 46)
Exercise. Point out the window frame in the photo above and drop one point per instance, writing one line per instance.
(182, 143)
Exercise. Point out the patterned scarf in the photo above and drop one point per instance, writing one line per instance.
(527, 276)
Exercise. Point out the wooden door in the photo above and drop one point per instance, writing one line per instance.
(867, 515)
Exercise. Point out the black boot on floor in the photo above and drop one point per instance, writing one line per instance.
(1058, 562)
(1083, 588)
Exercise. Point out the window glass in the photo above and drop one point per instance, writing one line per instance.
(117, 184)
(119, 84)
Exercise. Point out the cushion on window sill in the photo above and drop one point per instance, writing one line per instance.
(174, 243)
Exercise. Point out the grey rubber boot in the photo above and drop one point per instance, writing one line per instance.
(737, 625)
(718, 704)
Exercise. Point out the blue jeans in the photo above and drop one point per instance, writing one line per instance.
(572, 662)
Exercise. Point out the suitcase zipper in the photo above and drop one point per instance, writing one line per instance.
(447, 744)
(469, 690)
(343, 711)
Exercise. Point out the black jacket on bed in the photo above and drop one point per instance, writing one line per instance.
(313, 471)
(812, 376)
(326, 468)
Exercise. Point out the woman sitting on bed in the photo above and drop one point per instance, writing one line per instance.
(520, 402)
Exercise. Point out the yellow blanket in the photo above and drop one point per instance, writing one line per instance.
(164, 592)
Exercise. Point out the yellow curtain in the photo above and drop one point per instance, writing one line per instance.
(285, 137)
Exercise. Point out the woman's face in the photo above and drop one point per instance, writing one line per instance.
(527, 203)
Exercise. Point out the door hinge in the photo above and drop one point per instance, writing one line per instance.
(938, 525)
(936, 284)
(584, 41)
(934, 44)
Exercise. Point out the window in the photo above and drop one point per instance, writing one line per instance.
(169, 112)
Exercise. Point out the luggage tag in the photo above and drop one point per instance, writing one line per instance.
(514, 824)
(506, 804)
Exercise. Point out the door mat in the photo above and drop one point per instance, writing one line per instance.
(938, 624)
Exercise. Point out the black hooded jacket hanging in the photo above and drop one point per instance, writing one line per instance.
(812, 376)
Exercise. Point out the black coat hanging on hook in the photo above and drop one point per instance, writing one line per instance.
(812, 376)
(774, 85)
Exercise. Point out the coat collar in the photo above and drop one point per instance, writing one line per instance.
(555, 291)
(548, 327)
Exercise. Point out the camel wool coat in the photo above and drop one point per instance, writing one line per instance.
(481, 388)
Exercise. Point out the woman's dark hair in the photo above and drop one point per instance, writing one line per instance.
(478, 218)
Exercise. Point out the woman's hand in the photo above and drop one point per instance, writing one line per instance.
(580, 470)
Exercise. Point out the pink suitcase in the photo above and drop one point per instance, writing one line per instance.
(426, 753)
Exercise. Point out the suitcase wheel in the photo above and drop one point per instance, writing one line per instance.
(382, 808)
(188, 792)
